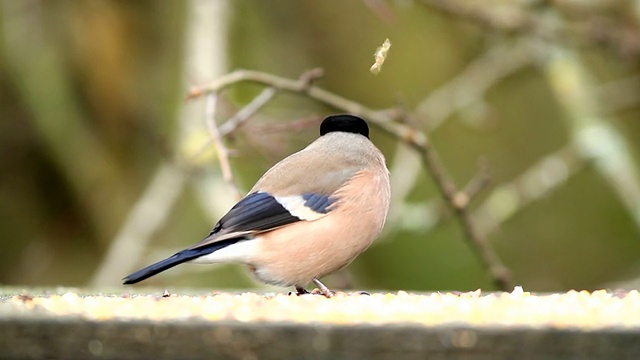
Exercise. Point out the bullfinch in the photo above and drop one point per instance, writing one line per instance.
(308, 216)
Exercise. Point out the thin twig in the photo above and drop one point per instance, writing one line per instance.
(299, 86)
(509, 18)
(500, 273)
(472, 83)
(591, 131)
(479, 182)
(537, 182)
(385, 121)
(516, 18)
(381, 118)
(221, 149)
(247, 111)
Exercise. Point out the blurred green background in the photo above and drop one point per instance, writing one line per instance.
(105, 167)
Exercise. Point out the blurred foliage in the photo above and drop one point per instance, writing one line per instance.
(92, 92)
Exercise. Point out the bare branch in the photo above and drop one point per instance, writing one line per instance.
(541, 179)
(472, 83)
(520, 19)
(506, 17)
(247, 111)
(385, 121)
(221, 149)
(501, 275)
(479, 182)
(300, 86)
(591, 131)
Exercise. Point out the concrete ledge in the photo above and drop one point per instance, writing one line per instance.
(78, 339)
(32, 328)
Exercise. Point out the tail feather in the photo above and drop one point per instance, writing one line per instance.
(176, 259)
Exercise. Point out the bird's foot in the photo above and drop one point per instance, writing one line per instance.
(323, 290)
(299, 291)
(302, 291)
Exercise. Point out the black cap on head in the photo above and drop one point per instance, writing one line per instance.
(344, 123)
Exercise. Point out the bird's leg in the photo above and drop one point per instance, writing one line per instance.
(323, 288)
(300, 290)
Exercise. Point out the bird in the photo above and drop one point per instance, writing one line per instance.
(309, 215)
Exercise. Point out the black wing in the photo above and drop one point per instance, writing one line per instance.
(257, 212)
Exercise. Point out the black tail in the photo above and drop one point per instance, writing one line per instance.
(176, 259)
